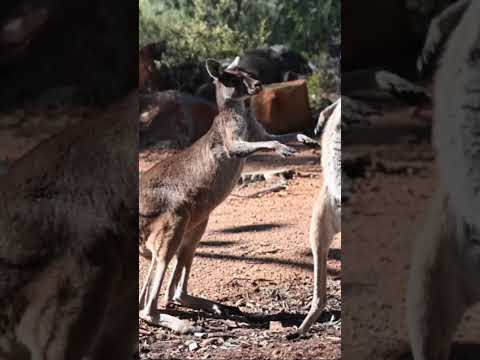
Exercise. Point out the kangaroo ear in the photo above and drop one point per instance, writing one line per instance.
(214, 68)
(234, 63)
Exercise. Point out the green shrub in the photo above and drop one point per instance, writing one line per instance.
(320, 84)
(195, 29)
(198, 34)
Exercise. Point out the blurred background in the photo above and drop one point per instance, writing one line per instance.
(189, 31)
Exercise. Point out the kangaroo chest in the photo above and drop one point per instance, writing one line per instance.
(215, 187)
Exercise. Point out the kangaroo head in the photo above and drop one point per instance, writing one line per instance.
(231, 82)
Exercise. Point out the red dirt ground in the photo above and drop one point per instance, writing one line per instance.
(255, 254)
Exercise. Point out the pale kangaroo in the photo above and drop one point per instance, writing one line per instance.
(68, 239)
(445, 270)
(326, 216)
(178, 194)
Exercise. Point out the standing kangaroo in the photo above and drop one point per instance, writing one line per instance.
(326, 216)
(178, 194)
(445, 270)
(68, 279)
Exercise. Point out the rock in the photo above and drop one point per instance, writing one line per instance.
(201, 335)
(231, 324)
(276, 326)
(283, 107)
(193, 346)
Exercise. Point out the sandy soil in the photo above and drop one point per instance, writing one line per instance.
(255, 254)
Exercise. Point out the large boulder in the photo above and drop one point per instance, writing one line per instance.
(274, 64)
(283, 107)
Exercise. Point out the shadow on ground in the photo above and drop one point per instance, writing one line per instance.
(217, 243)
(251, 228)
(255, 320)
(265, 260)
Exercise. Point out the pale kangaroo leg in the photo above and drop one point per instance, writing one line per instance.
(178, 287)
(323, 228)
(436, 295)
(146, 284)
(161, 257)
(184, 260)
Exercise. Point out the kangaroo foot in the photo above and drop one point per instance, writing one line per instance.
(170, 322)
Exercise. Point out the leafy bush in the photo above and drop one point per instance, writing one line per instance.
(195, 29)
(198, 34)
(319, 85)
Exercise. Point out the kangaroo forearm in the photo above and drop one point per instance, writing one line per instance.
(244, 148)
(284, 138)
(295, 137)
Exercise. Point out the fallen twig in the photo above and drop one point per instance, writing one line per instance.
(274, 188)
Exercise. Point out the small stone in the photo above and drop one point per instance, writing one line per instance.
(231, 324)
(193, 346)
(276, 326)
(277, 353)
